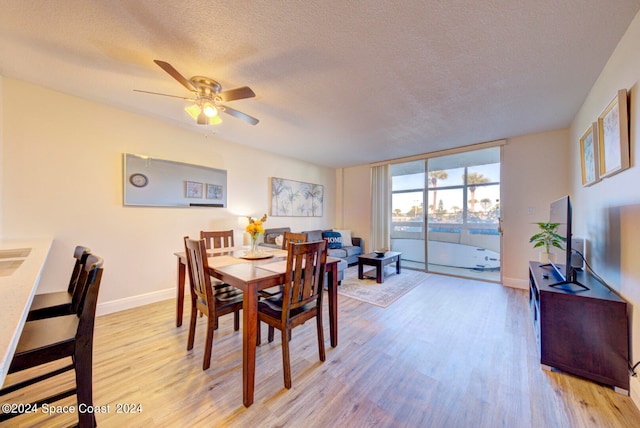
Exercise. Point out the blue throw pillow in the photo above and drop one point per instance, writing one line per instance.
(334, 239)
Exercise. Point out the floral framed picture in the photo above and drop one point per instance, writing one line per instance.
(613, 136)
(589, 155)
(193, 189)
(214, 191)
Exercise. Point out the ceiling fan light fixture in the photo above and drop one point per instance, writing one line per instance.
(194, 111)
(199, 115)
(209, 109)
(207, 95)
(202, 119)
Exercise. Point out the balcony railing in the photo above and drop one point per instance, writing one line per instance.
(415, 229)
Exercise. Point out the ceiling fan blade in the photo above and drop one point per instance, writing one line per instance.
(165, 95)
(236, 94)
(175, 74)
(239, 115)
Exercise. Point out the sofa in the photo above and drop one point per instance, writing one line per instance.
(347, 253)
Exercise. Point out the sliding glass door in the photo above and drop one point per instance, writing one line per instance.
(407, 213)
(446, 213)
(463, 235)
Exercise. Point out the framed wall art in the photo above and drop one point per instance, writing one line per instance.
(214, 191)
(296, 199)
(589, 155)
(613, 136)
(193, 189)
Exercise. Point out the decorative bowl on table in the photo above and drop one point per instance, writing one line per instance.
(380, 253)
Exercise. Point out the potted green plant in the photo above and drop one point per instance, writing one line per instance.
(547, 237)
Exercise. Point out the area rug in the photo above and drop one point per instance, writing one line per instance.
(367, 290)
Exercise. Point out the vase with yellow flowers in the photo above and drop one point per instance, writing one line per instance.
(255, 229)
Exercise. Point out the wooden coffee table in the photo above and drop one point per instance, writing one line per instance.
(371, 259)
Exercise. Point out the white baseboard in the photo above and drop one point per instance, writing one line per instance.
(134, 301)
(522, 284)
(634, 391)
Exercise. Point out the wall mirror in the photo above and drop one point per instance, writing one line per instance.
(150, 181)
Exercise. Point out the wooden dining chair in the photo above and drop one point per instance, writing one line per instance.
(51, 339)
(58, 303)
(205, 299)
(221, 239)
(300, 301)
(217, 239)
(295, 237)
(287, 238)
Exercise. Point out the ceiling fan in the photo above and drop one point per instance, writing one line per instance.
(209, 97)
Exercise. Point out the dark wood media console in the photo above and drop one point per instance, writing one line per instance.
(582, 332)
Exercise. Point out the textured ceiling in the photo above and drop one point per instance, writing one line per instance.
(338, 82)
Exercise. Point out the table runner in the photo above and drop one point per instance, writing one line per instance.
(218, 261)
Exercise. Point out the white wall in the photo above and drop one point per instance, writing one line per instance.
(62, 175)
(535, 171)
(355, 199)
(607, 214)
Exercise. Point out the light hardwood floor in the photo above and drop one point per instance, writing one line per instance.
(450, 353)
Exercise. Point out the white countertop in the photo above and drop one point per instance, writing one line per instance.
(19, 277)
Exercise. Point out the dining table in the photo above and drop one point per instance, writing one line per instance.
(252, 274)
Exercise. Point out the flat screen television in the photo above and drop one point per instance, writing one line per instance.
(560, 212)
